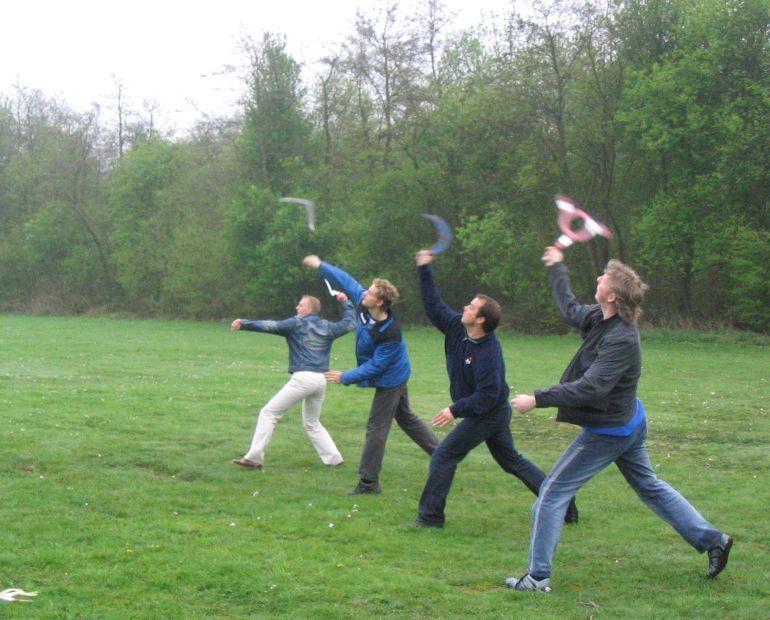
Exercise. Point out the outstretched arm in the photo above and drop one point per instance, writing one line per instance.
(383, 358)
(281, 328)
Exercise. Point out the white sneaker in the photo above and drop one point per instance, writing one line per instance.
(528, 583)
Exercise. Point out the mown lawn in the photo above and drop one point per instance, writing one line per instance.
(118, 499)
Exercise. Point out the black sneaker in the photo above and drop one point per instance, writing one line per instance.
(718, 556)
(571, 518)
(366, 489)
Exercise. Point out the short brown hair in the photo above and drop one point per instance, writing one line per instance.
(491, 312)
(386, 292)
(315, 303)
(628, 288)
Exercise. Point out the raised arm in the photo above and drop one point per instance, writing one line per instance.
(572, 312)
(440, 314)
(338, 278)
(348, 321)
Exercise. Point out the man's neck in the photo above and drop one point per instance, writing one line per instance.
(609, 310)
(475, 332)
(379, 313)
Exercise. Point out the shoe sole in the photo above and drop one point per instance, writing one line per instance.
(246, 464)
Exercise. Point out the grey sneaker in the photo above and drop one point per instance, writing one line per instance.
(528, 583)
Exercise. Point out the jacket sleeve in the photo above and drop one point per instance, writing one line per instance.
(611, 363)
(484, 397)
(342, 281)
(384, 355)
(346, 323)
(436, 310)
(572, 312)
(282, 328)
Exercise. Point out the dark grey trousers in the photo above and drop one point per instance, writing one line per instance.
(388, 404)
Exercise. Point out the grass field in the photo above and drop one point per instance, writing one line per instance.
(118, 499)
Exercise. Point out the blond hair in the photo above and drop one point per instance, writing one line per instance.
(628, 289)
(315, 303)
(386, 292)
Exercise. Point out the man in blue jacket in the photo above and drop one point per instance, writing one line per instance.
(477, 385)
(310, 341)
(598, 392)
(383, 363)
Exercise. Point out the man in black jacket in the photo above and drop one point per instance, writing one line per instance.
(474, 361)
(598, 392)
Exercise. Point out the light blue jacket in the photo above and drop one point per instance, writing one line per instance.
(310, 338)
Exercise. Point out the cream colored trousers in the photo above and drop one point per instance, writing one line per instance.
(310, 389)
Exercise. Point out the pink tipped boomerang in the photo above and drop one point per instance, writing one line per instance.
(568, 213)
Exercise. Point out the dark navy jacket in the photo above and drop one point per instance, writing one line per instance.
(310, 338)
(475, 367)
(380, 349)
(598, 388)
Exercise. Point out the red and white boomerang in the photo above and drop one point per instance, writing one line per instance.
(568, 213)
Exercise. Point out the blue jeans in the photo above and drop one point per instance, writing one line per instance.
(496, 432)
(585, 457)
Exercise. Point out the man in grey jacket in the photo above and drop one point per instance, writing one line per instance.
(598, 392)
(310, 341)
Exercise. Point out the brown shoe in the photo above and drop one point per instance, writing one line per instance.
(246, 463)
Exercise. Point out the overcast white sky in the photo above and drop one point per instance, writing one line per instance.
(170, 51)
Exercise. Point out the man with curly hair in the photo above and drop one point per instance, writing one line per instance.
(598, 392)
(383, 363)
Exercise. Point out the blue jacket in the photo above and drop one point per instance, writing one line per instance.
(380, 348)
(475, 367)
(310, 338)
(598, 387)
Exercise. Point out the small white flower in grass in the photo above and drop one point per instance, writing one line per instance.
(310, 505)
(331, 525)
(232, 524)
(255, 493)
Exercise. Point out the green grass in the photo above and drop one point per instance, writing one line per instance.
(118, 500)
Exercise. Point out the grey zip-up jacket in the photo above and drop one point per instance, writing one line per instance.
(598, 387)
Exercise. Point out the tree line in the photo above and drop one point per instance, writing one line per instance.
(652, 114)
